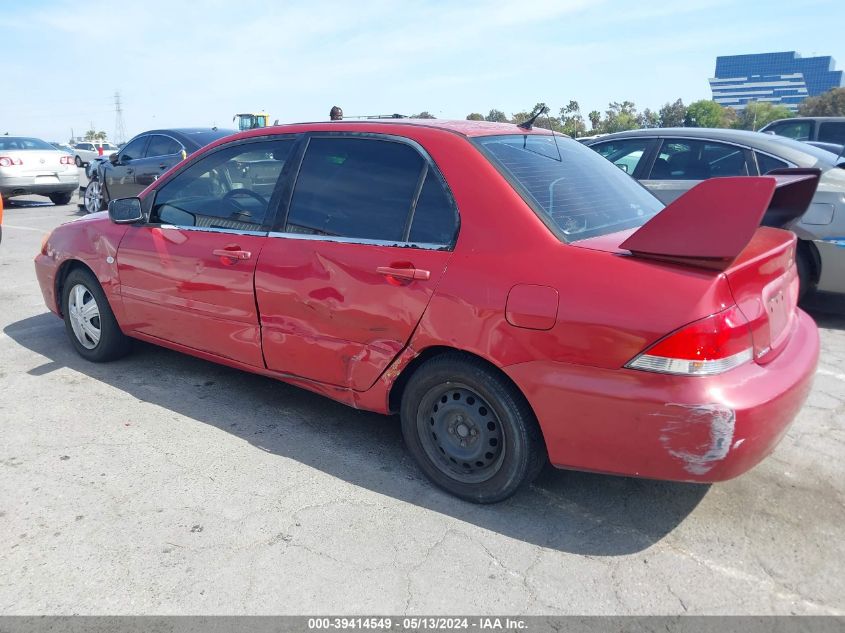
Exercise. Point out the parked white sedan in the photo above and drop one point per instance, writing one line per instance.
(86, 151)
(32, 166)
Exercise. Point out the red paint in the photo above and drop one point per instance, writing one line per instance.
(562, 320)
(532, 307)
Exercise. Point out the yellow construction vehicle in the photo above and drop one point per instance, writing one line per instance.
(252, 120)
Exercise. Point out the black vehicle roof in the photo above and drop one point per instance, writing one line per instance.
(193, 138)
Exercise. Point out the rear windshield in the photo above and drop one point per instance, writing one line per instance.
(577, 192)
(8, 143)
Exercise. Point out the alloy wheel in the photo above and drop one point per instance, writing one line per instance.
(93, 197)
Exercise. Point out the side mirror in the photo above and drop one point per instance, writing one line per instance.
(125, 211)
(113, 158)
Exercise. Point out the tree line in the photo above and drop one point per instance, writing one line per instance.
(621, 116)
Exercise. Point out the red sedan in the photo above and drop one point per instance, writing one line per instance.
(511, 294)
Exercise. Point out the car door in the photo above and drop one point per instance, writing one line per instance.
(187, 275)
(162, 153)
(354, 259)
(120, 175)
(682, 163)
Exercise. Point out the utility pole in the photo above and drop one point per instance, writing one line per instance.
(119, 131)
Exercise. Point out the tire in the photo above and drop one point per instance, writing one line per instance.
(806, 269)
(60, 198)
(80, 289)
(483, 443)
(92, 199)
(78, 161)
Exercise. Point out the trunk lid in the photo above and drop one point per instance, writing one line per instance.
(40, 162)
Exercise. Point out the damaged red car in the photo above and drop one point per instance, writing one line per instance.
(512, 295)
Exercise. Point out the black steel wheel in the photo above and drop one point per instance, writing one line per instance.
(470, 430)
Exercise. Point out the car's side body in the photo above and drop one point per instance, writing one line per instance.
(353, 319)
(648, 155)
(825, 129)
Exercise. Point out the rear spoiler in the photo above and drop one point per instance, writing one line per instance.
(714, 221)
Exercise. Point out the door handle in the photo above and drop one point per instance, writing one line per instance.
(404, 273)
(231, 254)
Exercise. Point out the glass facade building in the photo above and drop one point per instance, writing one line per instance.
(780, 78)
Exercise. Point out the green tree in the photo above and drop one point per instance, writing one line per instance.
(595, 121)
(475, 116)
(425, 114)
(706, 113)
(620, 117)
(571, 121)
(648, 118)
(830, 103)
(91, 135)
(672, 114)
(496, 116)
(756, 114)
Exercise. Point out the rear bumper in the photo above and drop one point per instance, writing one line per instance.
(680, 428)
(25, 185)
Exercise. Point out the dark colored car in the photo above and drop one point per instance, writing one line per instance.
(511, 294)
(141, 161)
(825, 129)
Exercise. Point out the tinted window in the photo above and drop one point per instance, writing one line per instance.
(228, 189)
(578, 191)
(767, 163)
(435, 220)
(799, 130)
(134, 150)
(682, 159)
(359, 188)
(163, 146)
(832, 132)
(624, 154)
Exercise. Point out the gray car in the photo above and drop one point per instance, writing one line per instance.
(32, 166)
(670, 161)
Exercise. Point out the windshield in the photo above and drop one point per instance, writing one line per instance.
(576, 192)
(17, 142)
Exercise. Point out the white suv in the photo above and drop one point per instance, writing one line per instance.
(86, 151)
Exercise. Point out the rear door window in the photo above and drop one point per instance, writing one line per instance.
(357, 188)
(832, 132)
(684, 159)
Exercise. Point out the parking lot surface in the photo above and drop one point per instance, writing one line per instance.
(164, 484)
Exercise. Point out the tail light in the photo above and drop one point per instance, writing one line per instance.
(710, 346)
(6, 161)
(66, 160)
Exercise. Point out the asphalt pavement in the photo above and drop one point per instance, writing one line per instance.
(164, 484)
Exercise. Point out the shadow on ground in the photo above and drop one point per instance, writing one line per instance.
(827, 309)
(574, 512)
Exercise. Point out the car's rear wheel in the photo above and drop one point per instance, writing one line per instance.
(470, 429)
(60, 198)
(806, 269)
(78, 161)
(89, 320)
(93, 198)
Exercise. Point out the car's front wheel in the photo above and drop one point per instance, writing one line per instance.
(93, 198)
(470, 429)
(89, 320)
(60, 198)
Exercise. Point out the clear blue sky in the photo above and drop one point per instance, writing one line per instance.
(183, 64)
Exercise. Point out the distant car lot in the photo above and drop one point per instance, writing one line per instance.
(150, 477)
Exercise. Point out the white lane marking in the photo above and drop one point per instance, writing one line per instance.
(827, 372)
(25, 228)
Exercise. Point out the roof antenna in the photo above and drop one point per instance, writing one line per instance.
(541, 108)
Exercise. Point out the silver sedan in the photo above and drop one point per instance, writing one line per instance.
(670, 161)
(32, 166)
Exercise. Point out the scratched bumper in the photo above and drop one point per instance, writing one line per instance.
(705, 429)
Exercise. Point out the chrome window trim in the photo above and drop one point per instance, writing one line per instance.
(359, 240)
(177, 141)
(210, 229)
